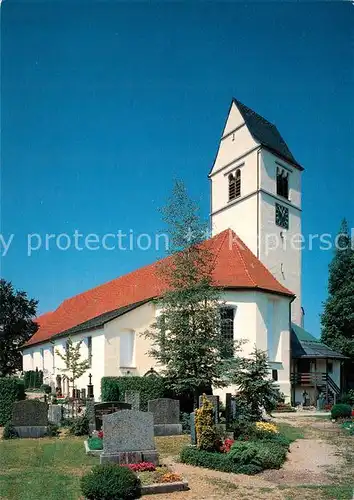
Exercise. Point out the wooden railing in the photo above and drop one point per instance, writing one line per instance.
(308, 378)
(314, 379)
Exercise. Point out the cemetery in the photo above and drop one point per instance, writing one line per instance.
(144, 451)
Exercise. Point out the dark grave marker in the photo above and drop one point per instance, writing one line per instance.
(106, 409)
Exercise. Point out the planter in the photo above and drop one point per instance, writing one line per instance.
(94, 453)
(153, 489)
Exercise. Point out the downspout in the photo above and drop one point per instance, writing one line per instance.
(258, 175)
(292, 384)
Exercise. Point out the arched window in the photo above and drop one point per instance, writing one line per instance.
(283, 183)
(235, 185)
(227, 315)
(232, 187)
(238, 183)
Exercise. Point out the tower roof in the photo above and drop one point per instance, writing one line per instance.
(235, 267)
(265, 132)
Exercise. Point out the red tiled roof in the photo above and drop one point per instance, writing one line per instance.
(235, 267)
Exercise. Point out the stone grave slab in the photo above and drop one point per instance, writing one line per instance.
(128, 437)
(166, 413)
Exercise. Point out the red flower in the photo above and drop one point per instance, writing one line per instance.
(142, 466)
(100, 434)
(225, 448)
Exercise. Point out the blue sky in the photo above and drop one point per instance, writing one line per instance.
(103, 104)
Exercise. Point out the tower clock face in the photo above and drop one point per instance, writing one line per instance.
(281, 216)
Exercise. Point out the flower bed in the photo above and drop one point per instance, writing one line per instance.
(260, 446)
(157, 475)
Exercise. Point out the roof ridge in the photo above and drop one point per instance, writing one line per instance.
(253, 111)
(243, 260)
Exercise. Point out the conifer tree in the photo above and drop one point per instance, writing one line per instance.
(186, 338)
(337, 319)
(256, 390)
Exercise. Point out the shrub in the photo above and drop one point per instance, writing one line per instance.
(46, 388)
(11, 389)
(152, 387)
(52, 430)
(95, 443)
(185, 420)
(205, 426)
(270, 454)
(33, 379)
(9, 431)
(110, 482)
(80, 426)
(216, 461)
(341, 411)
(348, 398)
(247, 457)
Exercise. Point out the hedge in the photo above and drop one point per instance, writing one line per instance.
(152, 387)
(245, 457)
(11, 390)
(33, 379)
(216, 461)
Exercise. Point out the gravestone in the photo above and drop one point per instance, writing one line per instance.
(233, 408)
(106, 408)
(30, 418)
(133, 398)
(193, 432)
(128, 437)
(166, 416)
(228, 409)
(90, 413)
(55, 414)
(215, 400)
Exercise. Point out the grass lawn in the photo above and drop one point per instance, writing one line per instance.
(50, 468)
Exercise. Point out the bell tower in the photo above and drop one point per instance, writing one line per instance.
(256, 192)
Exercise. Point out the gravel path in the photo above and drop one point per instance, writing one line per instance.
(307, 463)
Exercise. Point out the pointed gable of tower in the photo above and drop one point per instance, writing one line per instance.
(244, 131)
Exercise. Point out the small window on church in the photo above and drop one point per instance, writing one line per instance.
(227, 330)
(232, 187)
(282, 183)
(235, 185)
(238, 183)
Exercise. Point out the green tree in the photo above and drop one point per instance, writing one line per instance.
(337, 319)
(186, 338)
(17, 313)
(74, 366)
(256, 390)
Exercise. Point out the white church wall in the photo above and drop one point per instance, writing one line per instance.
(43, 359)
(280, 250)
(252, 323)
(233, 218)
(268, 171)
(118, 347)
(234, 120)
(236, 140)
(220, 182)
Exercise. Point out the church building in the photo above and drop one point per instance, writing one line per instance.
(256, 239)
